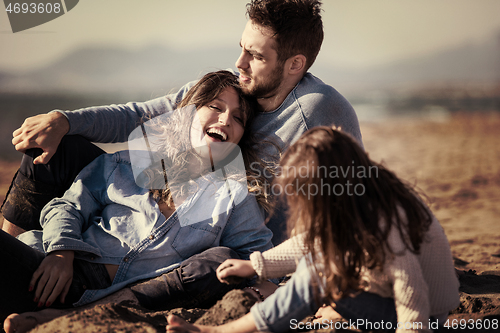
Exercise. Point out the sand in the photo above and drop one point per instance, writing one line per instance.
(456, 163)
(454, 160)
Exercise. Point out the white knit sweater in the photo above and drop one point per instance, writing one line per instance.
(422, 285)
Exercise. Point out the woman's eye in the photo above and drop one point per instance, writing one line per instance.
(214, 107)
(239, 119)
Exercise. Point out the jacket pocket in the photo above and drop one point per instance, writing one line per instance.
(195, 238)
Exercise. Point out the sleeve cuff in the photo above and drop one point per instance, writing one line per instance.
(64, 113)
(257, 262)
(65, 244)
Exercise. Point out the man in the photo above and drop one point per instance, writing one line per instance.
(279, 44)
(278, 47)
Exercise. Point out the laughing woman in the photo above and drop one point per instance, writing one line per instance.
(116, 225)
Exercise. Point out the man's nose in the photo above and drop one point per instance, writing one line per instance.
(242, 61)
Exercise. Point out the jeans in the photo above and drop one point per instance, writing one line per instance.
(367, 310)
(19, 262)
(34, 186)
(193, 284)
(296, 300)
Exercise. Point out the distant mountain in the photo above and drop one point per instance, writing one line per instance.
(155, 70)
(5, 78)
(471, 62)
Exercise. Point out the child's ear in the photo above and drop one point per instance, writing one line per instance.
(297, 64)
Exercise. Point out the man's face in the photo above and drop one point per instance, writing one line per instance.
(260, 72)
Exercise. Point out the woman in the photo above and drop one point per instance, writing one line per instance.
(107, 232)
(368, 245)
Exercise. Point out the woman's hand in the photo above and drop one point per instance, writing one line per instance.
(232, 269)
(54, 276)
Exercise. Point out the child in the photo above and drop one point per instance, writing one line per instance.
(366, 243)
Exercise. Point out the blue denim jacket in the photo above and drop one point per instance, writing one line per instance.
(311, 103)
(106, 218)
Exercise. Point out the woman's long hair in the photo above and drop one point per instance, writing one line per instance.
(337, 198)
(208, 88)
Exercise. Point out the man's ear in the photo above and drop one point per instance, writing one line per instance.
(297, 64)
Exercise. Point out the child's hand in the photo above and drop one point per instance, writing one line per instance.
(233, 271)
(54, 276)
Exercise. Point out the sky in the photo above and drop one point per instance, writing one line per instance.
(358, 33)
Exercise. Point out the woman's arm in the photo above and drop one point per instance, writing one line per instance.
(64, 219)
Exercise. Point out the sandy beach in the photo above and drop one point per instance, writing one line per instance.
(454, 160)
(456, 163)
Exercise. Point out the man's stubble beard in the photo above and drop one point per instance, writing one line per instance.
(269, 88)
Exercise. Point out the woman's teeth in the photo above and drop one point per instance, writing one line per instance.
(217, 134)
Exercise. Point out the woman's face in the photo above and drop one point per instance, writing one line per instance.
(219, 121)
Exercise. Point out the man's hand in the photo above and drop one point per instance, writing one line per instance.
(232, 269)
(54, 276)
(43, 131)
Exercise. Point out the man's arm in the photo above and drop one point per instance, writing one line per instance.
(42, 131)
(112, 123)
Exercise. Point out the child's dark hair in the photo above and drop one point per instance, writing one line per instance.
(341, 222)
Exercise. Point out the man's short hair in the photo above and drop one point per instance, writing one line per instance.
(297, 26)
